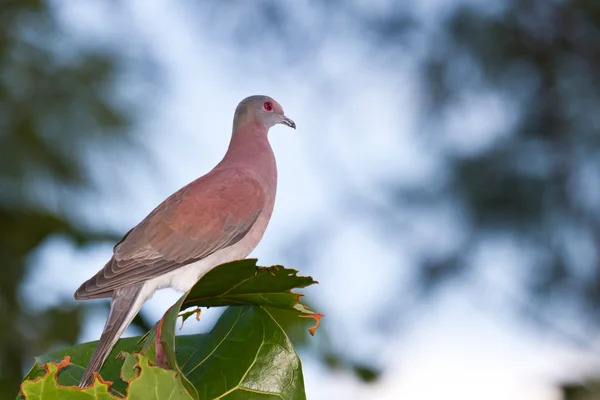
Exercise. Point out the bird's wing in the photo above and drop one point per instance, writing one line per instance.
(209, 214)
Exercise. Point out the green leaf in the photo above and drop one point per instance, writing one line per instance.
(80, 356)
(152, 382)
(243, 283)
(47, 388)
(128, 370)
(246, 355)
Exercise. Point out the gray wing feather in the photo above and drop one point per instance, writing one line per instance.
(210, 214)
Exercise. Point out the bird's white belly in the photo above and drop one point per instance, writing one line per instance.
(182, 279)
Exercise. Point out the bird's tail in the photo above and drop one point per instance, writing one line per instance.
(126, 303)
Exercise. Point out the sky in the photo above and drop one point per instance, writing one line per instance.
(456, 346)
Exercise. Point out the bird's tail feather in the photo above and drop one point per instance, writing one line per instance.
(126, 303)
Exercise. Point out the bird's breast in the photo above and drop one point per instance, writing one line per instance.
(182, 279)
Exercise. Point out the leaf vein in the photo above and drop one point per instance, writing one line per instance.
(217, 346)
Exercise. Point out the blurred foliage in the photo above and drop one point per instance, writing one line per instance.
(540, 182)
(57, 102)
(589, 390)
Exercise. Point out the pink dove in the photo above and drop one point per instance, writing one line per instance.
(217, 218)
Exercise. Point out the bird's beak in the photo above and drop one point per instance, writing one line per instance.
(288, 122)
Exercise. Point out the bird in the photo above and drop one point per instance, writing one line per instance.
(217, 218)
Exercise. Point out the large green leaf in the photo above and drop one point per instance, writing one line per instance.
(247, 355)
(242, 283)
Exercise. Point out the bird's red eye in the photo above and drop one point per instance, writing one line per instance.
(268, 106)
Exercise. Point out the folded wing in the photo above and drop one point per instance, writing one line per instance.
(209, 214)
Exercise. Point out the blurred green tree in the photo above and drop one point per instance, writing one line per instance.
(539, 182)
(57, 102)
(589, 390)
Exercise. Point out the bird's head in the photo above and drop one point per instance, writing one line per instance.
(260, 109)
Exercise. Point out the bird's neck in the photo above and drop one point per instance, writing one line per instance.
(249, 149)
